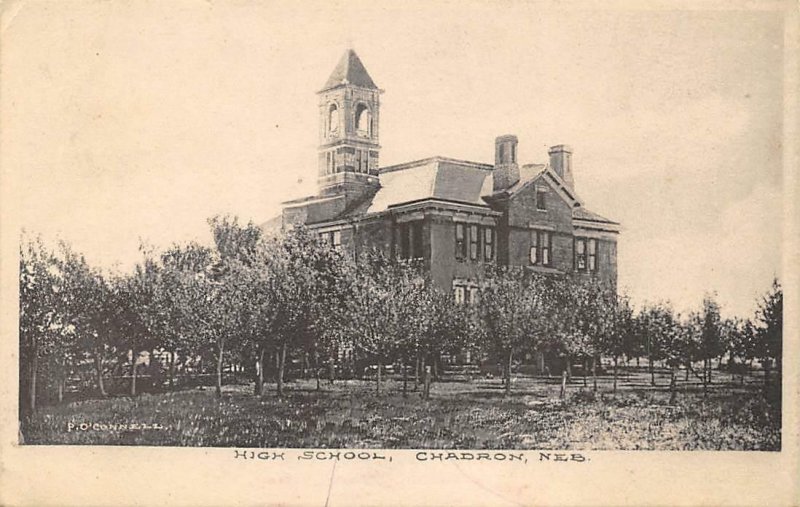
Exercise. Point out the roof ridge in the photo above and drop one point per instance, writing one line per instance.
(437, 159)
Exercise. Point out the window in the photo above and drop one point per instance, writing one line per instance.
(461, 242)
(488, 243)
(513, 153)
(408, 240)
(330, 159)
(363, 120)
(405, 242)
(540, 253)
(541, 199)
(331, 238)
(501, 153)
(592, 255)
(474, 242)
(545, 241)
(580, 254)
(361, 161)
(416, 239)
(333, 119)
(466, 293)
(398, 241)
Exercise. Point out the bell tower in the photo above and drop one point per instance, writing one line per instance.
(349, 106)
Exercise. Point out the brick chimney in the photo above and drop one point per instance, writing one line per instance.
(561, 162)
(506, 169)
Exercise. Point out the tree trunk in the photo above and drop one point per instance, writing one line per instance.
(316, 371)
(508, 372)
(426, 390)
(153, 370)
(133, 373)
(688, 367)
(378, 379)
(34, 371)
(423, 369)
(705, 378)
(766, 372)
(405, 377)
(98, 368)
(652, 370)
(61, 382)
(281, 367)
(259, 389)
(585, 367)
(615, 373)
(637, 362)
(332, 369)
(563, 384)
(416, 374)
(436, 360)
(672, 391)
(569, 368)
(594, 373)
(172, 370)
(220, 357)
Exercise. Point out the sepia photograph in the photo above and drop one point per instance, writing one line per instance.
(436, 233)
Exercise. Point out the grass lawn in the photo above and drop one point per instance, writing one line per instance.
(460, 415)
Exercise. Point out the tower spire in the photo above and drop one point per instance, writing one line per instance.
(349, 70)
(349, 112)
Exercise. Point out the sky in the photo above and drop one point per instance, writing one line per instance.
(130, 121)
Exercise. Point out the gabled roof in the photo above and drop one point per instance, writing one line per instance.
(538, 172)
(349, 70)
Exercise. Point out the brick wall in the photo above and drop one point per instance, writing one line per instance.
(444, 266)
(523, 216)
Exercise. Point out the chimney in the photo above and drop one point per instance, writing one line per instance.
(506, 169)
(561, 162)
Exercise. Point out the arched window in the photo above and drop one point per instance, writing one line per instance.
(363, 120)
(333, 119)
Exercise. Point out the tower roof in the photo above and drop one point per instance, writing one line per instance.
(350, 70)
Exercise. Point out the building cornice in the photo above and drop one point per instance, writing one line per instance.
(424, 205)
(590, 225)
(304, 201)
